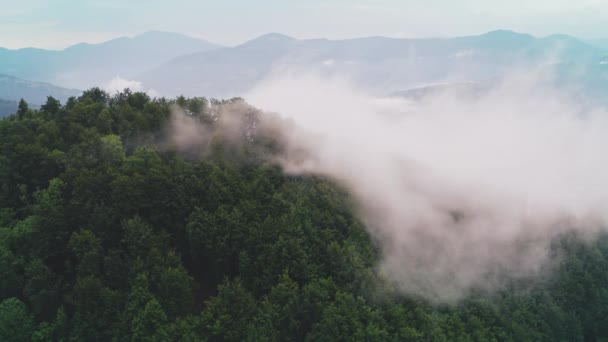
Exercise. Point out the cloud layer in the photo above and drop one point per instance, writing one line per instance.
(462, 193)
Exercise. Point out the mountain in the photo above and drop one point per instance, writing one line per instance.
(463, 89)
(222, 71)
(380, 63)
(174, 64)
(7, 107)
(600, 43)
(85, 65)
(106, 236)
(35, 93)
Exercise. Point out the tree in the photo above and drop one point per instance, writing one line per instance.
(96, 309)
(187, 329)
(22, 109)
(174, 291)
(16, 324)
(56, 330)
(41, 289)
(283, 303)
(349, 319)
(148, 323)
(49, 220)
(11, 282)
(138, 297)
(111, 150)
(87, 249)
(228, 315)
(51, 107)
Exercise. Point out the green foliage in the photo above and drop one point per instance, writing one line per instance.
(87, 251)
(228, 315)
(148, 324)
(108, 233)
(11, 281)
(57, 330)
(16, 324)
(22, 109)
(51, 107)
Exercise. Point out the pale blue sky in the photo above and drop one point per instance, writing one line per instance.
(59, 23)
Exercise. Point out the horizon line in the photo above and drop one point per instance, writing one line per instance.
(219, 45)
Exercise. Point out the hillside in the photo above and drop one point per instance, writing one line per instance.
(111, 231)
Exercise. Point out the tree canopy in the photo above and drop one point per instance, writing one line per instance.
(108, 233)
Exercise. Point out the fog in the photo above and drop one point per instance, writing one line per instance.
(462, 193)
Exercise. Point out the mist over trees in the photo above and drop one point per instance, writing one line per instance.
(109, 230)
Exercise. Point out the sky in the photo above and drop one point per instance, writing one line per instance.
(57, 24)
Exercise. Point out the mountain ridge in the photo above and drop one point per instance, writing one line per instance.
(14, 88)
(396, 63)
(175, 64)
(85, 65)
(145, 34)
(7, 107)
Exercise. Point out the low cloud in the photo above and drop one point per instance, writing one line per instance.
(462, 193)
(118, 84)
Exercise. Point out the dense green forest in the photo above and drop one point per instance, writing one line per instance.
(109, 233)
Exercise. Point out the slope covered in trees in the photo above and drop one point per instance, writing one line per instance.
(108, 232)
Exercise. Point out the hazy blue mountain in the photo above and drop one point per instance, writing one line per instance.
(222, 71)
(173, 64)
(381, 63)
(601, 43)
(7, 107)
(35, 93)
(462, 89)
(86, 65)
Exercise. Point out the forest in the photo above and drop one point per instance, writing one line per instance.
(110, 232)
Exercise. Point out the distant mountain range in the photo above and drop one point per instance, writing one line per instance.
(462, 89)
(379, 63)
(86, 65)
(13, 89)
(601, 43)
(7, 107)
(173, 64)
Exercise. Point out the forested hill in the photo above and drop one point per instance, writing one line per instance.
(109, 233)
